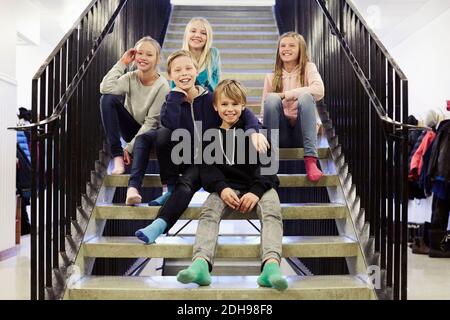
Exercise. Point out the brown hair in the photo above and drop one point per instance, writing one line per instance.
(231, 89)
(303, 59)
(177, 54)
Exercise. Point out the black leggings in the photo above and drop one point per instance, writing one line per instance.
(117, 122)
(141, 152)
(168, 171)
(187, 185)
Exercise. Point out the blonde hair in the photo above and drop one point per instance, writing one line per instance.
(303, 59)
(231, 89)
(153, 42)
(204, 61)
(177, 54)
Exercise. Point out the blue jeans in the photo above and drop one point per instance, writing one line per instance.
(141, 152)
(304, 133)
(117, 122)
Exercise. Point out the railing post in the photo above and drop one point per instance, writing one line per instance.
(34, 189)
(296, 16)
(405, 192)
(41, 187)
(65, 115)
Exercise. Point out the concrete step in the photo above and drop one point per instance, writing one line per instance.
(255, 92)
(234, 267)
(208, 14)
(231, 21)
(180, 27)
(228, 54)
(234, 35)
(289, 211)
(245, 76)
(248, 61)
(255, 107)
(201, 9)
(232, 66)
(221, 44)
(253, 83)
(286, 181)
(285, 153)
(228, 247)
(237, 51)
(233, 54)
(254, 102)
(240, 76)
(346, 287)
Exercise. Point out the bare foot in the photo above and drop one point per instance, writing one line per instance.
(133, 197)
(119, 166)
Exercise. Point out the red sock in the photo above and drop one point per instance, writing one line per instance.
(312, 172)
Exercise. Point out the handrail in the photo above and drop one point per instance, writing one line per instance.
(81, 72)
(378, 42)
(381, 112)
(366, 122)
(64, 39)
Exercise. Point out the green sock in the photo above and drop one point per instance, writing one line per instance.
(198, 272)
(271, 277)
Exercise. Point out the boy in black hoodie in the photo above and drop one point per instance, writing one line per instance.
(186, 107)
(236, 185)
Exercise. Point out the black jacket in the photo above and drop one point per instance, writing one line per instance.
(439, 166)
(245, 177)
(176, 113)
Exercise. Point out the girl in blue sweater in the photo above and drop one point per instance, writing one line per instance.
(198, 38)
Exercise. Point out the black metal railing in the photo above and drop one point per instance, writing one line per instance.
(66, 130)
(367, 100)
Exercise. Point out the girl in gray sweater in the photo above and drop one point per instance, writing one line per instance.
(130, 107)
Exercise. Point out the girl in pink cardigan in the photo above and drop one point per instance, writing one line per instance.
(289, 99)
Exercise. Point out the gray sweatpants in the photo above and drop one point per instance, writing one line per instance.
(268, 210)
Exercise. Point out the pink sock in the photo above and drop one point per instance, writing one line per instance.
(312, 172)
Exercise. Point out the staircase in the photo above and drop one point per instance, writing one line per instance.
(246, 38)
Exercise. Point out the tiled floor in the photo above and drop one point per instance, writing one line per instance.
(15, 274)
(428, 278)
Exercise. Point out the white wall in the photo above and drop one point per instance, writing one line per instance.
(424, 57)
(27, 24)
(37, 26)
(42, 24)
(416, 35)
(224, 2)
(29, 59)
(8, 102)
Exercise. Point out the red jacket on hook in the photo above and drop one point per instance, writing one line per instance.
(417, 160)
